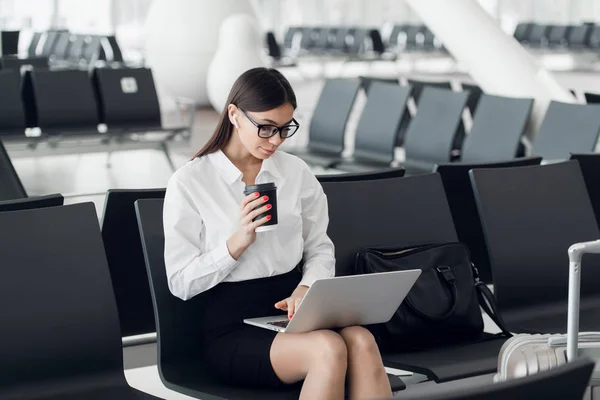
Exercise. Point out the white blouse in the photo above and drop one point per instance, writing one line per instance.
(202, 210)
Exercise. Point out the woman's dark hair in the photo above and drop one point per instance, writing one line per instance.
(258, 90)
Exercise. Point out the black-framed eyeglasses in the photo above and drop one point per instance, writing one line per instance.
(266, 131)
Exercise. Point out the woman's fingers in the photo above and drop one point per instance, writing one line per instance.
(248, 199)
(256, 213)
(254, 203)
(290, 305)
(281, 305)
(260, 222)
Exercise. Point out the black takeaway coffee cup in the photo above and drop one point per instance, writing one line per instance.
(270, 190)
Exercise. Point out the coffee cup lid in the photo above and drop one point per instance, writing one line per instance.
(260, 187)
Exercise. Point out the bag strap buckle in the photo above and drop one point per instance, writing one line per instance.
(447, 273)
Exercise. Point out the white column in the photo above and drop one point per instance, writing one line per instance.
(494, 59)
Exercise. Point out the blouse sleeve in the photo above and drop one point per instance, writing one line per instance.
(319, 255)
(191, 269)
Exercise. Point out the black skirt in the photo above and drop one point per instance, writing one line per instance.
(237, 353)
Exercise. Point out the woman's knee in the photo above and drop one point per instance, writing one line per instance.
(329, 347)
(359, 340)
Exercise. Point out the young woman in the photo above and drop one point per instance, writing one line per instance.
(211, 247)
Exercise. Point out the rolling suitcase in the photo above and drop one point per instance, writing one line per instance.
(526, 354)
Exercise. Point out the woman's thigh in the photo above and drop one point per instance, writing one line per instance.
(292, 354)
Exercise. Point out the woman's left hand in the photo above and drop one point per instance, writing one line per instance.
(291, 303)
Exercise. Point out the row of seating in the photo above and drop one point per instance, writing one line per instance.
(351, 43)
(436, 133)
(558, 37)
(340, 42)
(85, 111)
(65, 48)
(75, 102)
(530, 216)
(413, 38)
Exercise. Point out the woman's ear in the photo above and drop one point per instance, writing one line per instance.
(232, 114)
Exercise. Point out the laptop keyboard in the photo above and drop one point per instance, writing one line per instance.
(281, 324)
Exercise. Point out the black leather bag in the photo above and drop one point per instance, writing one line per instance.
(442, 307)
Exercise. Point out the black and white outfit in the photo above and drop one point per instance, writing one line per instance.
(201, 211)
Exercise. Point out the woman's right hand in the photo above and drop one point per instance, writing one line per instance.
(245, 236)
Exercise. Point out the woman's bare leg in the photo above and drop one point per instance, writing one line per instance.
(319, 357)
(367, 378)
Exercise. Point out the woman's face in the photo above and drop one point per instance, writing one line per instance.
(259, 147)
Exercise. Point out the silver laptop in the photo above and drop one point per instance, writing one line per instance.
(345, 301)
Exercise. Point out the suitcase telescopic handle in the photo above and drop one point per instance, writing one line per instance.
(576, 251)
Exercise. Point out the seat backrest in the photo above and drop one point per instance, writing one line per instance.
(76, 49)
(393, 39)
(594, 38)
(418, 87)
(33, 44)
(567, 381)
(475, 93)
(28, 203)
(11, 187)
(432, 133)
(497, 129)
(457, 185)
(67, 325)
(50, 39)
(10, 42)
(557, 37)
(530, 217)
(413, 34)
(377, 44)
(63, 43)
(341, 38)
(428, 39)
(12, 116)
(366, 81)
(379, 125)
(386, 212)
(363, 176)
(115, 50)
(356, 41)
(590, 168)
(178, 322)
(328, 123)
(592, 98)
(127, 98)
(539, 35)
(92, 49)
(579, 36)
(123, 248)
(288, 38)
(567, 128)
(522, 32)
(64, 100)
(272, 46)
(309, 36)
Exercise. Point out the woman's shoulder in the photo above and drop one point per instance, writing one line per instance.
(190, 170)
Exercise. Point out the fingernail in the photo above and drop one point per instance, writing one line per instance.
(265, 198)
(269, 206)
(268, 217)
(256, 194)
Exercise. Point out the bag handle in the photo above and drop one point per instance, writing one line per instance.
(488, 303)
(450, 279)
